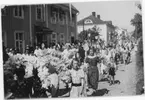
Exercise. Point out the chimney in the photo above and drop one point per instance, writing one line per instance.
(98, 16)
(94, 14)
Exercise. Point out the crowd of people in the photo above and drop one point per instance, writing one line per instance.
(86, 63)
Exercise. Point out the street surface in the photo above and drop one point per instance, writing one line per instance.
(125, 82)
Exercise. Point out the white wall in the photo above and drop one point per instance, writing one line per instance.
(86, 27)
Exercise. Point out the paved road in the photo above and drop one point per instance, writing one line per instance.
(126, 76)
(125, 82)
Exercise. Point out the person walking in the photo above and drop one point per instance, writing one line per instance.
(37, 51)
(111, 66)
(81, 52)
(77, 77)
(93, 72)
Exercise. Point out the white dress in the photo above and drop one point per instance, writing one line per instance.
(76, 79)
(37, 52)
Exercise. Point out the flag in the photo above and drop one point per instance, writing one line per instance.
(70, 11)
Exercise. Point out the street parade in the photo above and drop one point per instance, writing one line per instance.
(59, 51)
(39, 73)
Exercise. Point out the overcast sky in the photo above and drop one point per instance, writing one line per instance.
(120, 12)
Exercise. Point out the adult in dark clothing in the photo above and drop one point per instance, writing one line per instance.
(20, 88)
(36, 87)
(31, 50)
(117, 58)
(93, 72)
(5, 55)
(81, 52)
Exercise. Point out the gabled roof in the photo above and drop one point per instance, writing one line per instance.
(94, 19)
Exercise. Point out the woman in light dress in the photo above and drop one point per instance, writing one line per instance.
(43, 50)
(37, 51)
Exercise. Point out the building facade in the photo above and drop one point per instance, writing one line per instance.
(122, 33)
(33, 24)
(105, 28)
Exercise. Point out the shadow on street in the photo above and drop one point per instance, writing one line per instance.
(63, 92)
(100, 92)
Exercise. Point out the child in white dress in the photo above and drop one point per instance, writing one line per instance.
(77, 76)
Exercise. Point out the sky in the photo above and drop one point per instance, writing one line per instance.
(119, 12)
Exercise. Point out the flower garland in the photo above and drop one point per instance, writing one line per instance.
(42, 63)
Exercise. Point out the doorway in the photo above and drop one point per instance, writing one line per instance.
(72, 39)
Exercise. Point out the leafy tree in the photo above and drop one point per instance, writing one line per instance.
(137, 22)
(84, 35)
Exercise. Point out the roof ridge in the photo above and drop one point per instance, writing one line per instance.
(95, 20)
(83, 19)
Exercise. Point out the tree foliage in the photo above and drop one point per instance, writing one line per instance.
(137, 22)
(84, 35)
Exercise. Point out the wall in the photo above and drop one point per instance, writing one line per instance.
(109, 29)
(10, 24)
(86, 27)
(58, 28)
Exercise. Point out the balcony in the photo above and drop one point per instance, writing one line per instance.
(53, 20)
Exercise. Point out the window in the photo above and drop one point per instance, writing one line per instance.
(39, 12)
(61, 38)
(4, 38)
(53, 17)
(19, 12)
(88, 21)
(4, 11)
(54, 37)
(62, 17)
(19, 40)
(72, 22)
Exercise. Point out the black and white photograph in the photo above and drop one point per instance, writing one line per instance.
(72, 50)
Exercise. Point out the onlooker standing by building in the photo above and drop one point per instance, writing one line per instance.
(81, 52)
(37, 51)
(5, 55)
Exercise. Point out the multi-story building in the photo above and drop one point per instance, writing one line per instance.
(105, 28)
(122, 33)
(32, 24)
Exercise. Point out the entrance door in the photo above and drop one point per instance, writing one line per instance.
(72, 39)
(39, 38)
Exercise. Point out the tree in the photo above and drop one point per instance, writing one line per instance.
(84, 35)
(137, 22)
